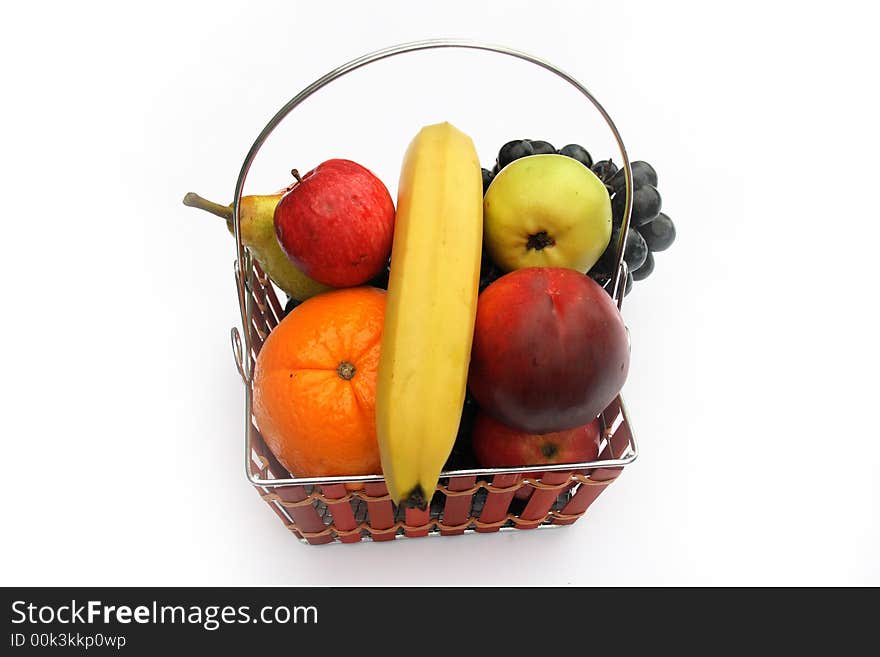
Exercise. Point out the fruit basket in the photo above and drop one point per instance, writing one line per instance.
(349, 509)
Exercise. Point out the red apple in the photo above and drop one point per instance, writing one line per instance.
(336, 224)
(550, 350)
(498, 446)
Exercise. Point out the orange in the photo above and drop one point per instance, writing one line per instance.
(315, 384)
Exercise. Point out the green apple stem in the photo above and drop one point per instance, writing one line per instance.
(195, 201)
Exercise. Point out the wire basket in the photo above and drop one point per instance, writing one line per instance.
(322, 510)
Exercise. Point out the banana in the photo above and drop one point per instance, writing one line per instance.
(430, 312)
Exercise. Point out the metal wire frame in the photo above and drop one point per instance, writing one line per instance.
(358, 521)
(243, 264)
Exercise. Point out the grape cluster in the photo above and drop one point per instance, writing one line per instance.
(513, 150)
(649, 230)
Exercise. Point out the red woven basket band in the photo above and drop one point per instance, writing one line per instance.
(534, 483)
(330, 530)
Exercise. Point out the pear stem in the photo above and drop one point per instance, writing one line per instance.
(195, 201)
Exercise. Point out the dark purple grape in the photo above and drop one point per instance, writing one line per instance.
(607, 282)
(605, 169)
(604, 266)
(579, 153)
(618, 181)
(646, 205)
(542, 147)
(645, 270)
(513, 150)
(634, 253)
(489, 273)
(659, 234)
(636, 250)
(602, 280)
(616, 211)
(642, 172)
(487, 178)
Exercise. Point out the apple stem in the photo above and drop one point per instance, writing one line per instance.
(295, 174)
(195, 201)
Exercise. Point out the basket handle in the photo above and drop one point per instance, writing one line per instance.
(243, 265)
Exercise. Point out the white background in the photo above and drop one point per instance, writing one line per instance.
(755, 360)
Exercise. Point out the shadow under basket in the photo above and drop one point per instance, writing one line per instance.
(323, 510)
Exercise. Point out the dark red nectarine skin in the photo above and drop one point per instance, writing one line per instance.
(498, 446)
(336, 224)
(550, 350)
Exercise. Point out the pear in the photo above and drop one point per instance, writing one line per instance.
(258, 234)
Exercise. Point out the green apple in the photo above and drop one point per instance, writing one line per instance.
(546, 211)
